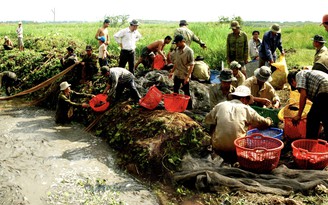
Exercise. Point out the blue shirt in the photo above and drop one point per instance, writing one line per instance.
(270, 43)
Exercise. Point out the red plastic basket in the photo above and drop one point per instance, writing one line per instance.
(176, 102)
(258, 153)
(310, 153)
(152, 98)
(99, 103)
(294, 132)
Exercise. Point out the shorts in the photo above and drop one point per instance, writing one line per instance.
(20, 42)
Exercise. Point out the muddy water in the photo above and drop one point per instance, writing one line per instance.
(43, 163)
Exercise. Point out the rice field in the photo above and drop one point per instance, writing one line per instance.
(296, 37)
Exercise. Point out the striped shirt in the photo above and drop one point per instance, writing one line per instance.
(313, 81)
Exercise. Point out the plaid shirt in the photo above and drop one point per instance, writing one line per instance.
(314, 82)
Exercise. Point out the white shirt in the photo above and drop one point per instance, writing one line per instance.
(19, 32)
(253, 49)
(127, 38)
(231, 120)
(102, 51)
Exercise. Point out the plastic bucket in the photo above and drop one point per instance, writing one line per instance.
(99, 103)
(152, 98)
(176, 102)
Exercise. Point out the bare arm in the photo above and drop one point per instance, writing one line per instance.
(97, 34)
(107, 88)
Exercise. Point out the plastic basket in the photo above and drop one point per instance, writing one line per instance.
(266, 112)
(176, 102)
(258, 153)
(310, 153)
(152, 98)
(99, 103)
(270, 132)
(293, 132)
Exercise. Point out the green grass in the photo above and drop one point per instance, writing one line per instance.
(296, 37)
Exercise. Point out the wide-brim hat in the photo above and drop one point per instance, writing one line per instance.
(234, 65)
(134, 22)
(319, 39)
(226, 76)
(263, 74)
(242, 91)
(275, 28)
(64, 85)
(234, 25)
(199, 58)
(183, 22)
(88, 48)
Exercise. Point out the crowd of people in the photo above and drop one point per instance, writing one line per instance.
(230, 114)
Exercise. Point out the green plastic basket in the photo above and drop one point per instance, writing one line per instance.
(266, 112)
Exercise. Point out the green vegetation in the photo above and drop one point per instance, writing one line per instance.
(296, 37)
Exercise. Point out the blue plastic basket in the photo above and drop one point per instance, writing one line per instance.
(270, 132)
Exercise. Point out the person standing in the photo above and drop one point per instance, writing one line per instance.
(89, 64)
(237, 46)
(325, 22)
(253, 45)
(312, 85)
(271, 41)
(187, 34)
(117, 80)
(19, 32)
(69, 59)
(229, 120)
(127, 39)
(65, 107)
(183, 67)
(103, 53)
(103, 31)
(319, 45)
(321, 55)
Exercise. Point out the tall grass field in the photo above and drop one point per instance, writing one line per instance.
(296, 37)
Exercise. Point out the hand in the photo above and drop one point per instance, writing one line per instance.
(276, 104)
(265, 102)
(187, 79)
(93, 96)
(296, 120)
(170, 75)
(85, 105)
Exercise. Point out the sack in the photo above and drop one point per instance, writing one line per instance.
(279, 76)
